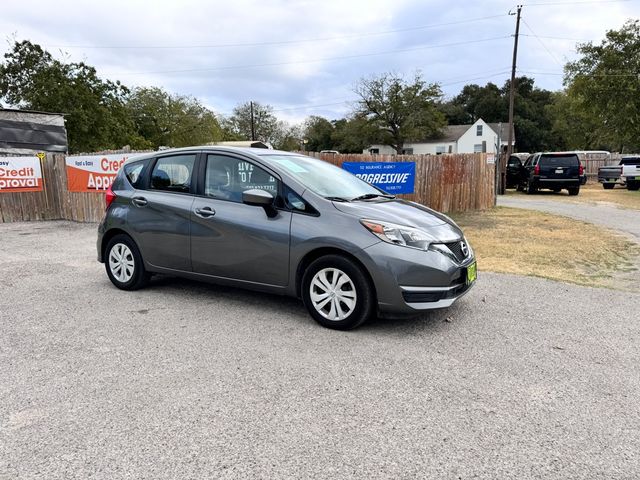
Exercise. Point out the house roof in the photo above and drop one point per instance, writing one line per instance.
(452, 133)
(2, 109)
(28, 130)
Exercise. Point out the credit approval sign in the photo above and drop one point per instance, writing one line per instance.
(20, 174)
(392, 177)
(93, 173)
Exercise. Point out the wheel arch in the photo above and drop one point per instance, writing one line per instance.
(316, 253)
(109, 234)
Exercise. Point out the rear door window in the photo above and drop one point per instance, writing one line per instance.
(173, 173)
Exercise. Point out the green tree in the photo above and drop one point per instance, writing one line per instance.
(473, 102)
(532, 113)
(353, 134)
(402, 110)
(163, 119)
(266, 124)
(318, 132)
(604, 85)
(95, 111)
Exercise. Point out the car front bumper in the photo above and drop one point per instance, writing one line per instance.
(408, 281)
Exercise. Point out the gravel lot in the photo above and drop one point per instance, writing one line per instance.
(524, 378)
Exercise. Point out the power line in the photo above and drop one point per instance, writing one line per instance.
(582, 74)
(282, 42)
(557, 38)
(547, 4)
(555, 59)
(315, 60)
(491, 73)
(502, 72)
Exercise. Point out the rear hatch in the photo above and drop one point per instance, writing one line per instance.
(559, 166)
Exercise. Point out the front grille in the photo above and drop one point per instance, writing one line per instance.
(457, 250)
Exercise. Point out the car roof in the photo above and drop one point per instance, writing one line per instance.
(260, 152)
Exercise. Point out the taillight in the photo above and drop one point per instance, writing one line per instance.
(581, 169)
(109, 197)
(536, 170)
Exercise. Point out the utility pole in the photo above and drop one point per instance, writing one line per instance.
(496, 185)
(512, 96)
(253, 125)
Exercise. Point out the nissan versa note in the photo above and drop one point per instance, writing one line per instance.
(281, 223)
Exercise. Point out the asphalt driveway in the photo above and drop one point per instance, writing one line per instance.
(524, 378)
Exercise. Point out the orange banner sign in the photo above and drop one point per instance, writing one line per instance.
(93, 173)
(20, 174)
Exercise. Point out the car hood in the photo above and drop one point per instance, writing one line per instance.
(406, 213)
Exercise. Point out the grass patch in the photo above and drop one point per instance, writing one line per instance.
(525, 242)
(591, 193)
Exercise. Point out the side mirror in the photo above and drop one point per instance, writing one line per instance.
(257, 197)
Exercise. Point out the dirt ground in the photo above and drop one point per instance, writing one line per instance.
(528, 242)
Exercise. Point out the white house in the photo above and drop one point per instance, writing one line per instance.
(479, 137)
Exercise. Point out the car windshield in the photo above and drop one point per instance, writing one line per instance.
(324, 178)
(560, 160)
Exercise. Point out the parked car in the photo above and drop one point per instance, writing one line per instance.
(552, 170)
(281, 223)
(627, 172)
(514, 172)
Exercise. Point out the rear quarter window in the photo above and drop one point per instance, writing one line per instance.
(560, 160)
(133, 173)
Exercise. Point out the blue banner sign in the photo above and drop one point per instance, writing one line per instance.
(392, 177)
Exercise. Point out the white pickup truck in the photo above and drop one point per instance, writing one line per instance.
(626, 173)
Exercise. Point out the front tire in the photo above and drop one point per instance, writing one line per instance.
(633, 185)
(608, 186)
(337, 293)
(124, 264)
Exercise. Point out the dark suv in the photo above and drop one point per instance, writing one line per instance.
(553, 171)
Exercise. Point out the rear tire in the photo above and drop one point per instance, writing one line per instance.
(531, 188)
(608, 186)
(124, 264)
(633, 186)
(574, 190)
(338, 293)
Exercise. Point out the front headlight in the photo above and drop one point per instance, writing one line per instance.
(399, 234)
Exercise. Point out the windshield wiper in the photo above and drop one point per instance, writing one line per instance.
(367, 196)
(337, 199)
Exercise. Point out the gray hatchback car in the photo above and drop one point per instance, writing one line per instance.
(281, 223)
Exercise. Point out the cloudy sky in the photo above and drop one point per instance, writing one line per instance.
(303, 57)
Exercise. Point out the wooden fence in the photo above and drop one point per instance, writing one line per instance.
(591, 165)
(447, 183)
(55, 202)
(444, 182)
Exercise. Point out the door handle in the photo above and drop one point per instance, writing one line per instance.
(205, 212)
(139, 201)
